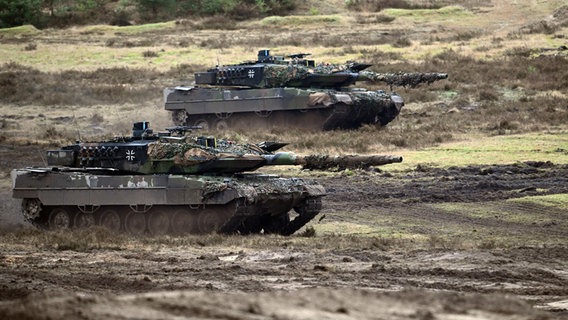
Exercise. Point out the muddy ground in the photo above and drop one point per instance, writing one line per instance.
(269, 277)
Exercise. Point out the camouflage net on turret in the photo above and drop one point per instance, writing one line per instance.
(193, 153)
(280, 75)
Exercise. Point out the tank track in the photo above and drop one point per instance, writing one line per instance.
(235, 217)
(336, 116)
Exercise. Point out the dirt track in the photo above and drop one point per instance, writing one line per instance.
(267, 277)
(278, 283)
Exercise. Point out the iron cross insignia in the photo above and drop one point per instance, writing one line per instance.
(130, 155)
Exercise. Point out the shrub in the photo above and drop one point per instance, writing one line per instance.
(150, 54)
(382, 18)
(488, 95)
(402, 42)
(309, 232)
(30, 47)
(19, 12)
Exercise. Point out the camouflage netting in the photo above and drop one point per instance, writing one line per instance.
(255, 189)
(193, 156)
(280, 75)
(402, 79)
(325, 162)
(330, 68)
(370, 98)
(262, 188)
(283, 75)
(159, 150)
(210, 188)
(191, 153)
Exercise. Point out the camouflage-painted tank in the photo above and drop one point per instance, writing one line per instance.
(292, 92)
(169, 183)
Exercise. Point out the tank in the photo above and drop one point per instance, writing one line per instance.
(174, 183)
(289, 91)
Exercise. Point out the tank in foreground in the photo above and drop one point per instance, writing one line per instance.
(169, 183)
(293, 92)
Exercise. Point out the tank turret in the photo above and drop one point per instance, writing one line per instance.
(290, 91)
(174, 183)
(167, 152)
(272, 72)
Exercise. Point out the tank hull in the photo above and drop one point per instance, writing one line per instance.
(164, 203)
(222, 108)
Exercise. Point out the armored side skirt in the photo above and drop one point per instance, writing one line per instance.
(77, 188)
(223, 107)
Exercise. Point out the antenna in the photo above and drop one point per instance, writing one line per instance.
(76, 126)
(42, 157)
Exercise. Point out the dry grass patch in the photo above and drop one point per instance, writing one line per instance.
(557, 201)
(91, 239)
(507, 223)
(293, 21)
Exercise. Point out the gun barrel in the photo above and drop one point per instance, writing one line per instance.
(326, 162)
(402, 79)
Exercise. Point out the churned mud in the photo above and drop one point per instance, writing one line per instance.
(273, 278)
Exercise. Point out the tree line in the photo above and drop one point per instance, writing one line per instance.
(64, 13)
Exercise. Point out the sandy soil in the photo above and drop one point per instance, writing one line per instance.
(284, 281)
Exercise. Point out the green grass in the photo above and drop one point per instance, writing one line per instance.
(135, 29)
(421, 14)
(506, 222)
(506, 149)
(504, 212)
(26, 30)
(483, 225)
(292, 21)
(558, 201)
(342, 228)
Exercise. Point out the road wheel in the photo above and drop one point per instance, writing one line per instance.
(212, 218)
(206, 222)
(179, 117)
(135, 223)
(110, 219)
(158, 222)
(184, 222)
(221, 125)
(59, 218)
(31, 208)
(203, 124)
(84, 220)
